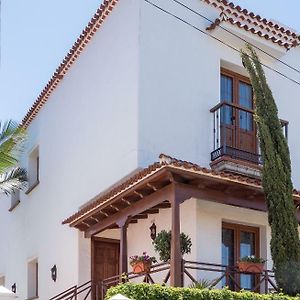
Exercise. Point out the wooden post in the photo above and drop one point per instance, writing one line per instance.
(176, 258)
(123, 224)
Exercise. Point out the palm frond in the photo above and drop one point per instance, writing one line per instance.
(12, 180)
(12, 138)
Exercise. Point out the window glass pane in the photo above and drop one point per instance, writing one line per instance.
(227, 252)
(227, 247)
(245, 100)
(247, 247)
(226, 88)
(226, 95)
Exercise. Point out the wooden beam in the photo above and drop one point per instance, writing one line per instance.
(163, 205)
(133, 221)
(140, 216)
(144, 204)
(176, 258)
(152, 211)
(125, 194)
(123, 224)
(184, 192)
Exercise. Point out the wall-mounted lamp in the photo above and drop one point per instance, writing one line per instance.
(14, 288)
(153, 231)
(54, 273)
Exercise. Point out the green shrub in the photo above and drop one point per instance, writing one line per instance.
(157, 292)
(162, 244)
(201, 284)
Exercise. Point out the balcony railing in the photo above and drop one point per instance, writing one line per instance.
(216, 275)
(235, 133)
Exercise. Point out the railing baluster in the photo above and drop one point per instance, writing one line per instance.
(215, 130)
(266, 281)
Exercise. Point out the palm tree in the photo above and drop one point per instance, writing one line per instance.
(12, 177)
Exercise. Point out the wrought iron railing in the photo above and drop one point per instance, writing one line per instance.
(235, 133)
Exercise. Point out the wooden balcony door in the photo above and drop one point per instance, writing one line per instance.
(237, 124)
(239, 241)
(105, 260)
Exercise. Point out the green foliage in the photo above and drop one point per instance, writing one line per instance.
(252, 259)
(162, 244)
(201, 284)
(157, 292)
(276, 180)
(12, 138)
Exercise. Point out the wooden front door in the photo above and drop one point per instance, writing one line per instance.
(105, 259)
(239, 241)
(237, 124)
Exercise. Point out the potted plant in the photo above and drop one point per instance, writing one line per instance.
(142, 264)
(162, 244)
(251, 264)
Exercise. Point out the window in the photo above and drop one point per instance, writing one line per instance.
(237, 123)
(32, 279)
(33, 169)
(14, 200)
(2, 280)
(239, 241)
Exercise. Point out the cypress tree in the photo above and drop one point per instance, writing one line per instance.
(276, 179)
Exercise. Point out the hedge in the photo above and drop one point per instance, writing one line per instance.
(145, 291)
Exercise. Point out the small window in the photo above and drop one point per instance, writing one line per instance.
(14, 200)
(2, 280)
(33, 169)
(32, 279)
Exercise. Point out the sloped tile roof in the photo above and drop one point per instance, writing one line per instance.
(170, 163)
(253, 23)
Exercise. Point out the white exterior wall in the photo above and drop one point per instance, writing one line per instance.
(202, 221)
(180, 83)
(87, 138)
(144, 85)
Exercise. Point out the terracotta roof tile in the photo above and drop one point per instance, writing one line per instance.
(101, 14)
(172, 164)
(249, 21)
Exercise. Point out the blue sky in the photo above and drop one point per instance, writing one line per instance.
(35, 36)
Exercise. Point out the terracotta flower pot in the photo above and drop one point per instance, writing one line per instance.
(141, 267)
(250, 267)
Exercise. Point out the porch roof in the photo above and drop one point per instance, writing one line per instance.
(196, 181)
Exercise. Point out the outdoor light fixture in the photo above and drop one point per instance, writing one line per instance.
(153, 231)
(14, 288)
(54, 273)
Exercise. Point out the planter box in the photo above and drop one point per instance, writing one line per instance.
(141, 267)
(250, 267)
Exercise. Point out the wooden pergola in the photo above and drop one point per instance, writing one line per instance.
(166, 185)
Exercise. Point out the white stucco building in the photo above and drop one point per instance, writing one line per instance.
(145, 78)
